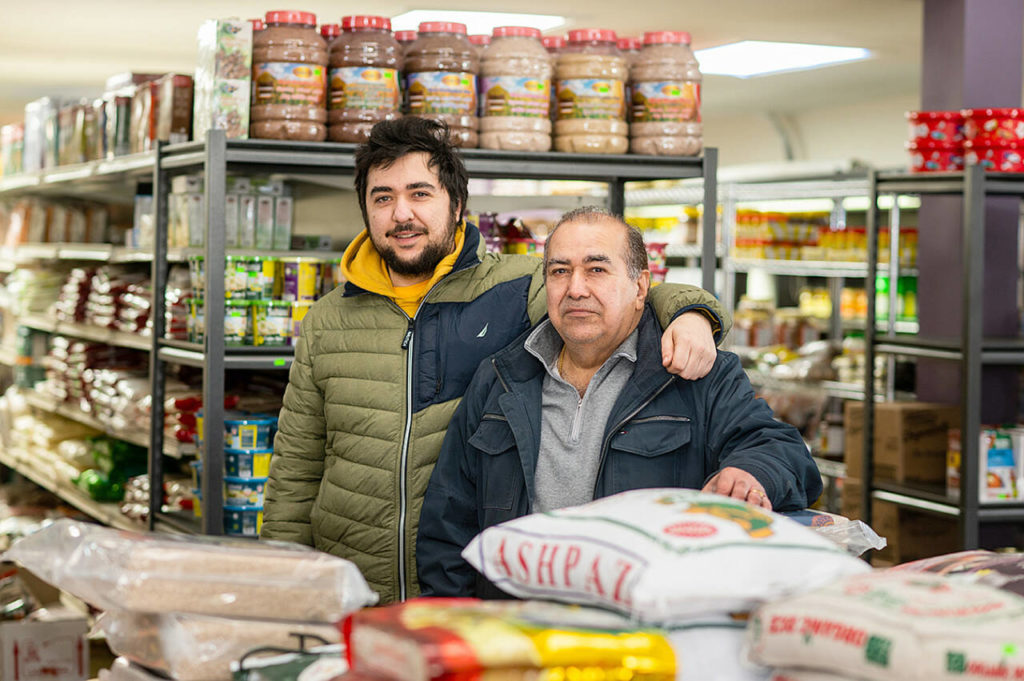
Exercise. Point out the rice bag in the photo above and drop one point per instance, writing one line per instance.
(891, 625)
(147, 572)
(658, 555)
(197, 648)
(456, 639)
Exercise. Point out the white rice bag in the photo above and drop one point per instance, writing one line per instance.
(892, 625)
(147, 572)
(713, 649)
(808, 675)
(659, 555)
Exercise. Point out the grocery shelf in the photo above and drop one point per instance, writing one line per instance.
(809, 268)
(181, 522)
(993, 350)
(1002, 184)
(89, 332)
(691, 250)
(127, 166)
(183, 254)
(24, 463)
(907, 327)
(933, 499)
(11, 257)
(49, 404)
(192, 354)
(829, 468)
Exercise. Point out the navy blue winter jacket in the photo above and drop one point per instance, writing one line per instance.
(663, 432)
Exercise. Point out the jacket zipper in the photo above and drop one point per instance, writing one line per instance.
(608, 440)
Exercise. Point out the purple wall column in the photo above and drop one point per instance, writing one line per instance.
(972, 52)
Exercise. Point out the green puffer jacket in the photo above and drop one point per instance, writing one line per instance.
(369, 399)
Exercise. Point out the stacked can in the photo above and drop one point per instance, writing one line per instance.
(266, 297)
(248, 445)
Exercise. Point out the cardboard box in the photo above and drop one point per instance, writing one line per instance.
(910, 534)
(910, 440)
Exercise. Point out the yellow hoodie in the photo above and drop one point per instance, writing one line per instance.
(363, 266)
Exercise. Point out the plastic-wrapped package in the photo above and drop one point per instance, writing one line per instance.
(855, 536)
(142, 572)
(894, 626)
(712, 648)
(659, 555)
(123, 670)
(322, 663)
(450, 639)
(1003, 571)
(196, 648)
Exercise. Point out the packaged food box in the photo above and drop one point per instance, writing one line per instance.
(223, 78)
(910, 440)
(174, 112)
(12, 149)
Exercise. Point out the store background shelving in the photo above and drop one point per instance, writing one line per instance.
(971, 350)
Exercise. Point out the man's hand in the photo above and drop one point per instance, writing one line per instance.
(738, 484)
(688, 346)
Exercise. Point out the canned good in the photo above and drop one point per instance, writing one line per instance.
(299, 310)
(236, 277)
(237, 323)
(270, 278)
(331, 276)
(300, 279)
(196, 326)
(272, 322)
(196, 275)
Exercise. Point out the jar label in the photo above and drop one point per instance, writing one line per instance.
(364, 87)
(599, 98)
(515, 96)
(290, 84)
(441, 92)
(654, 102)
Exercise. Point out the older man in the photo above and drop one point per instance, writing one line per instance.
(580, 407)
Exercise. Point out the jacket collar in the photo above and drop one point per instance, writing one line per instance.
(473, 249)
(515, 364)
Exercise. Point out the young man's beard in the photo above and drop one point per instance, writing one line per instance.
(426, 262)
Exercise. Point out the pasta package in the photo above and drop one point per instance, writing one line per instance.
(148, 572)
(659, 555)
(895, 626)
(463, 639)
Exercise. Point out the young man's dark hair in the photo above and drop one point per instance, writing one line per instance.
(391, 140)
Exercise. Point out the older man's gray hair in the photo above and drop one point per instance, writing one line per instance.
(636, 252)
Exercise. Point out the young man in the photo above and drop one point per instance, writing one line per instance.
(383, 362)
(581, 407)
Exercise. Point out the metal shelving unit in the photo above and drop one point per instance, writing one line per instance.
(971, 351)
(218, 156)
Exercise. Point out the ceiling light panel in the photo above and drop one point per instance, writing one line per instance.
(751, 58)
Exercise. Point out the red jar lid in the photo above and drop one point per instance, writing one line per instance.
(630, 43)
(979, 145)
(666, 37)
(553, 41)
(934, 115)
(480, 39)
(933, 145)
(291, 17)
(329, 31)
(517, 32)
(257, 24)
(993, 113)
(363, 21)
(442, 27)
(584, 35)
(405, 36)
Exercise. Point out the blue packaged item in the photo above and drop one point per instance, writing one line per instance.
(243, 491)
(247, 463)
(243, 521)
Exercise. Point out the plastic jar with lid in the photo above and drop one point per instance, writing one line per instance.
(405, 38)
(515, 85)
(440, 77)
(329, 32)
(289, 73)
(365, 62)
(629, 47)
(665, 81)
(257, 25)
(553, 44)
(479, 41)
(590, 83)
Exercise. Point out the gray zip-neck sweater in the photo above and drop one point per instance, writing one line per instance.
(571, 428)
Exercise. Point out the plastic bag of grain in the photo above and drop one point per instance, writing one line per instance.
(198, 648)
(448, 639)
(891, 625)
(141, 572)
(712, 648)
(659, 555)
(1001, 570)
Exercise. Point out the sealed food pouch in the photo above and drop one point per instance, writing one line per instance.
(659, 555)
(452, 639)
(894, 625)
